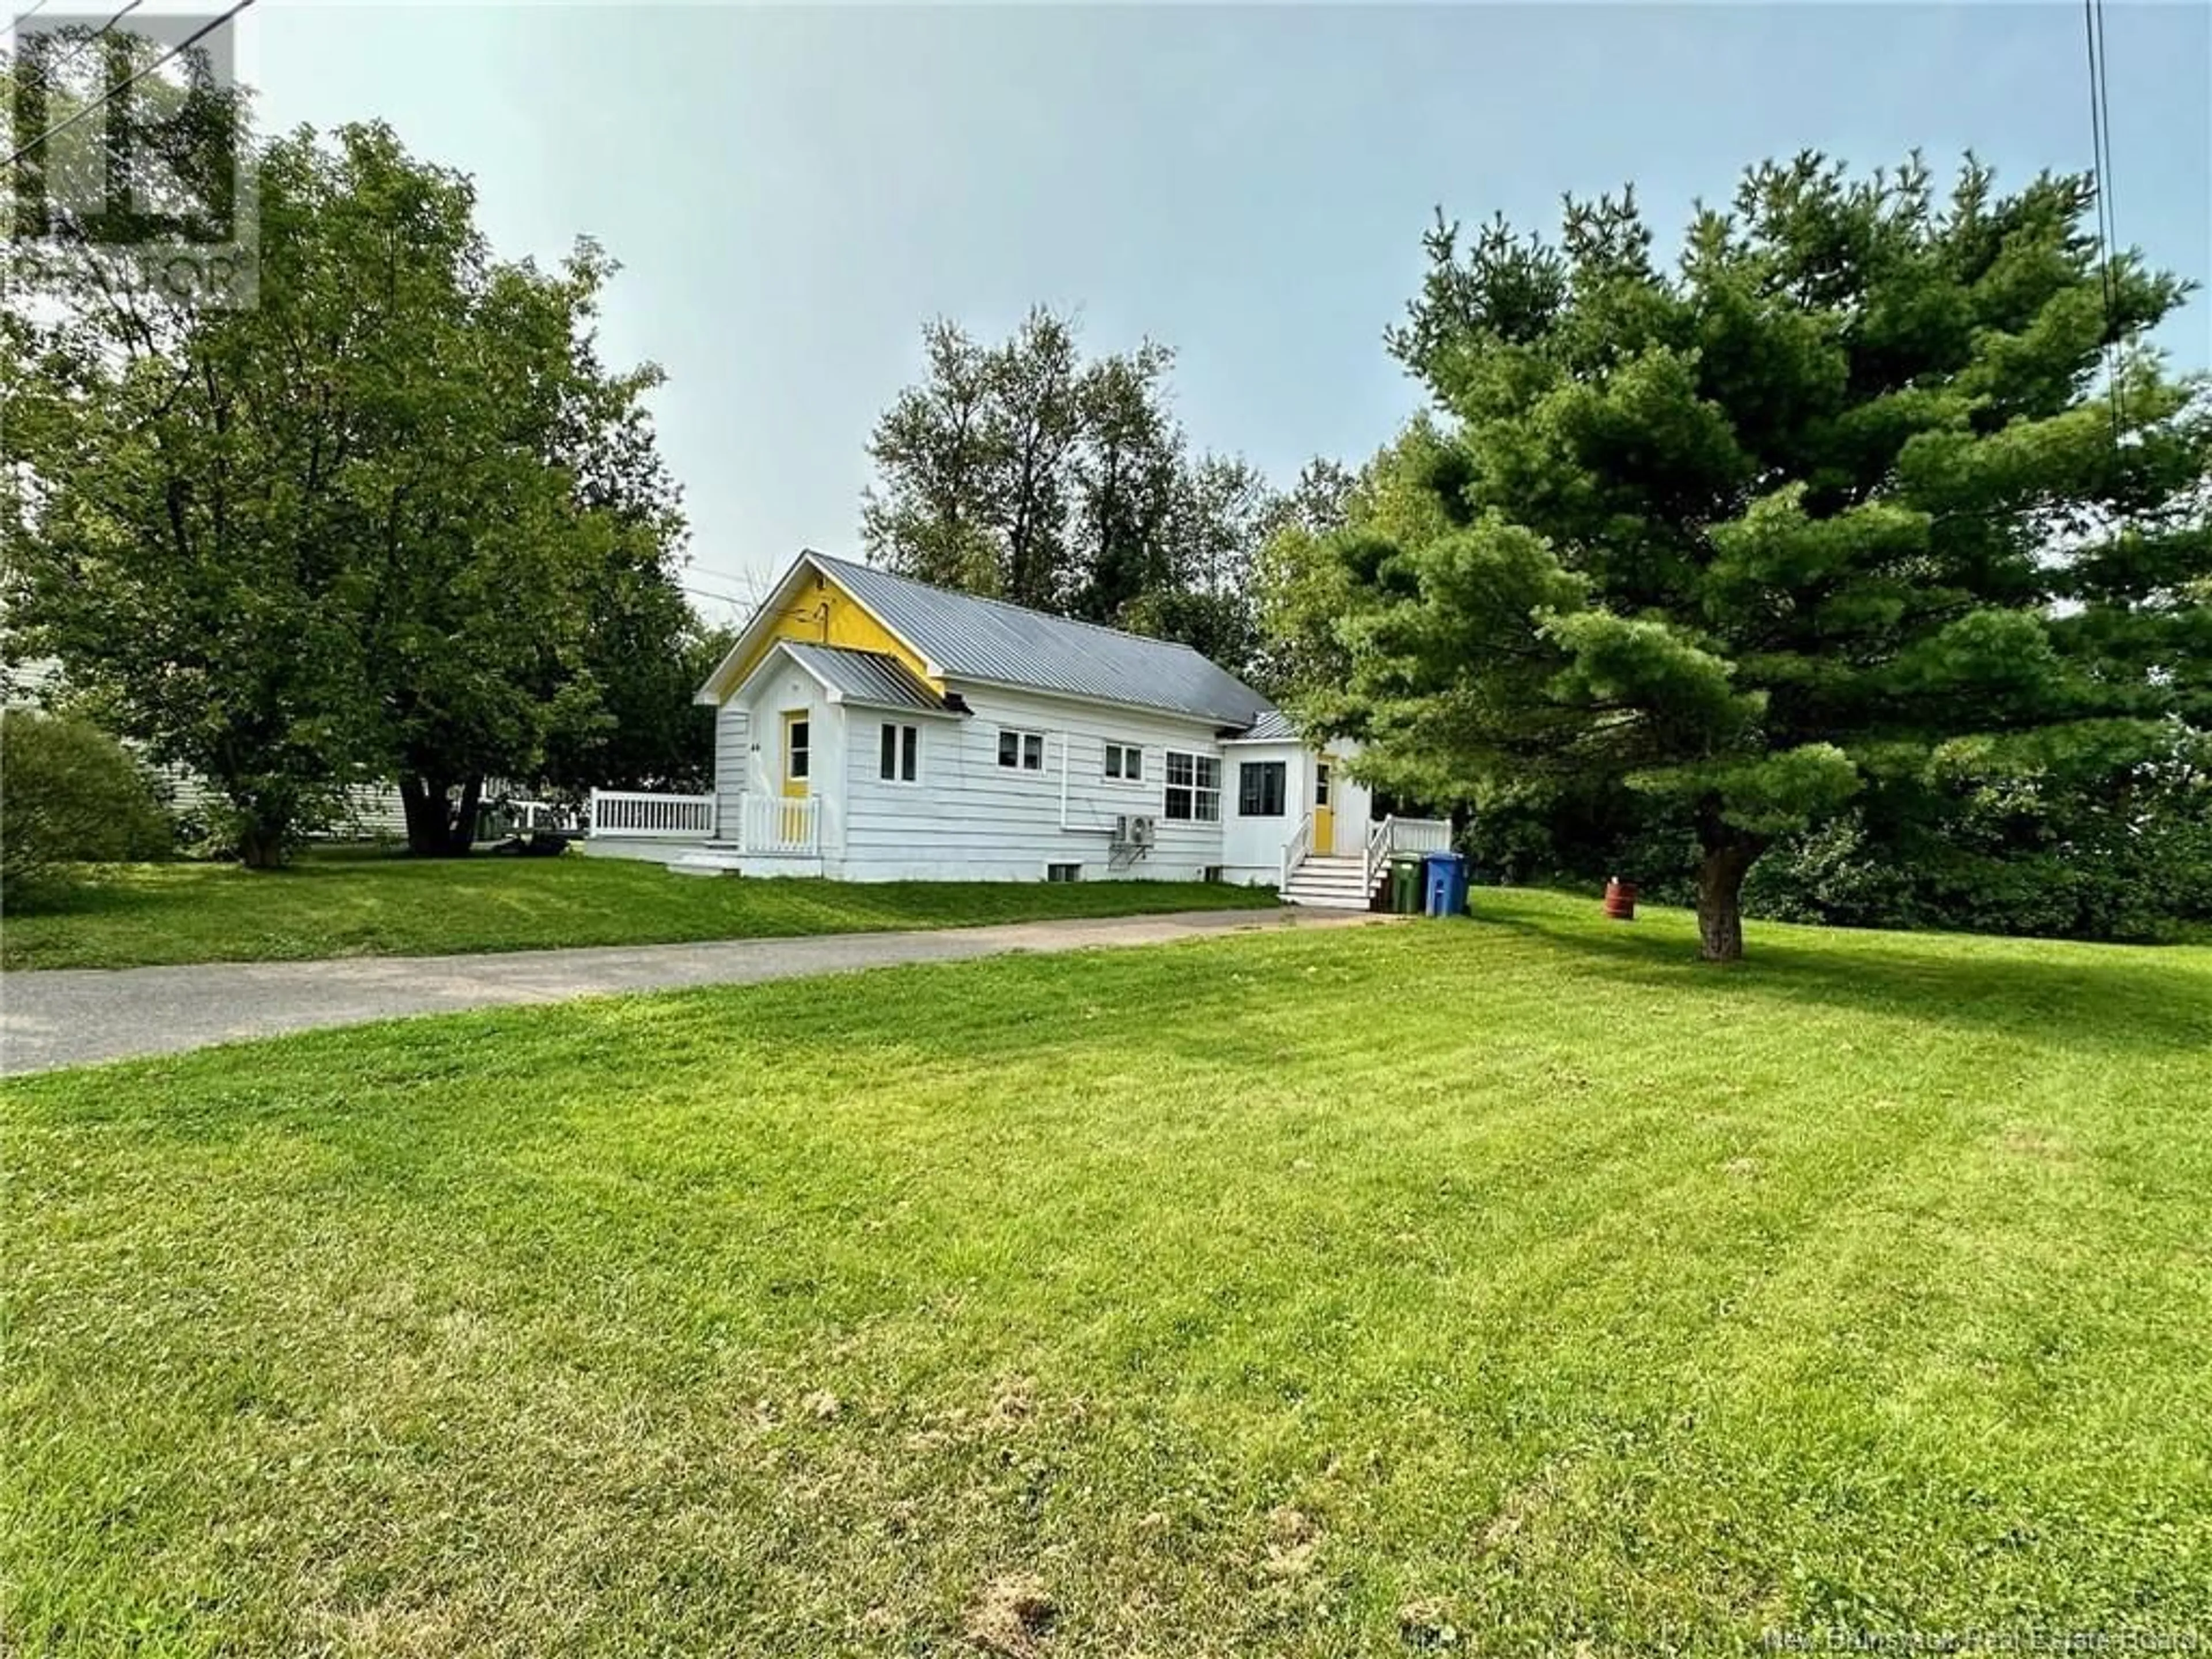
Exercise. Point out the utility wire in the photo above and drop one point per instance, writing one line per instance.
(2104, 194)
(721, 585)
(2101, 150)
(115, 92)
(724, 598)
(96, 37)
(708, 593)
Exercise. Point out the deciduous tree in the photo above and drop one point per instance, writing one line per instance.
(934, 511)
(1023, 471)
(393, 522)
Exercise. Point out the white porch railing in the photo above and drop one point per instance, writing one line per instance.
(784, 824)
(768, 825)
(1419, 834)
(1397, 834)
(634, 817)
(1294, 854)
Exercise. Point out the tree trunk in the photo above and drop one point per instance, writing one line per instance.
(261, 842)
(1720, 898)
(422, 800)
(438, 827)
(463, 835)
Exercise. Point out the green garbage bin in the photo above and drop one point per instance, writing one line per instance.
(1407, 877)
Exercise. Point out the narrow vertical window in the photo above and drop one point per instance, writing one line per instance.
(897, 756)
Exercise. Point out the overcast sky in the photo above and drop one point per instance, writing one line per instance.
(792, 191)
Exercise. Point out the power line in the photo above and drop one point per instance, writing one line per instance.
(738, 587)
(2100, 163)
(724, 598)
(708, 593)
(96, 37)
(115, 92)
(2105, 195)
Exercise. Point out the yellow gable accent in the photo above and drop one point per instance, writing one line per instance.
(823, 613)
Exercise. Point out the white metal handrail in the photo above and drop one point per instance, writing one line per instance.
(1294, 852)
(782, 824)
(1378, 849)
(637, 817)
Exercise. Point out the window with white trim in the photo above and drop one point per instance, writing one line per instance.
(899, 753)
(1193, 791)
(1021, 751)
(1126, 762)
(1261, 789)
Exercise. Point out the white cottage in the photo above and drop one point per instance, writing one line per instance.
(872, 728)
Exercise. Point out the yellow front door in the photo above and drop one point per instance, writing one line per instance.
(1324, 834)
(798, 766)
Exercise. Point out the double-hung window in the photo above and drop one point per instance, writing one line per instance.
(1261, 789)
(1194, 790)
(1021, 751)
(899, 755)
(1125, 760)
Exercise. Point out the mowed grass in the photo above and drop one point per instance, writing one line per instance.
(1510, 1285)
(355, 902)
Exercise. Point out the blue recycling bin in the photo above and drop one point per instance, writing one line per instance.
(1447, 885)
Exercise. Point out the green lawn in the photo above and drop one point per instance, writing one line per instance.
(355, 902)
(1510, 1285)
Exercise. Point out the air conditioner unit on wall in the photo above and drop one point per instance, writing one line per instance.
(1141, 831)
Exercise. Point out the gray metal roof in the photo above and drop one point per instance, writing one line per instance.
(867, 677)
(972, 638)
(1273, 725)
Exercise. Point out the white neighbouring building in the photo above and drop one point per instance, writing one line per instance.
(366, 811)
(869, 727)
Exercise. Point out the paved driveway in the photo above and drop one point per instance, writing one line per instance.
(72, 1016)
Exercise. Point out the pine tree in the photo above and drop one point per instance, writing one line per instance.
(1868, 476)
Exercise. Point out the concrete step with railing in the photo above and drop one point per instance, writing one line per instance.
(1326, 883)
(1351, 882)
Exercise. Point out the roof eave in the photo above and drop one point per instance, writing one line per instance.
(842, 696)
(709, 693)
(911, 710)
(773, 607)
(1197, 716)
(777, 649)
(932, 669)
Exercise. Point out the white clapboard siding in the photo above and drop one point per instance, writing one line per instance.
(369, 811)
(967, 816)
(372, 811)
(754, 762)
(732, 745)
(30, 685)
(366, 811)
